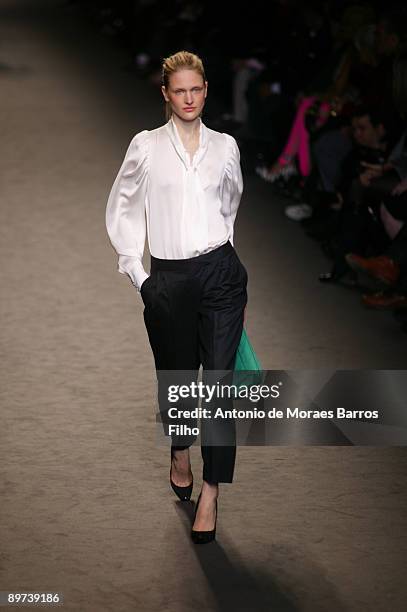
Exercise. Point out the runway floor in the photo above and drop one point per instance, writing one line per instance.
(86, 507)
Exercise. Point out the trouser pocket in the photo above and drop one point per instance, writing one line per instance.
(147, 288)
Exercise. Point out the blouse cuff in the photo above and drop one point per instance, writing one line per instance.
(133, 267)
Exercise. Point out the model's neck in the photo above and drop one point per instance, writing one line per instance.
(187, 129)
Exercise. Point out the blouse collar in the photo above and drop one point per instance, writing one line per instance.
(177, 142)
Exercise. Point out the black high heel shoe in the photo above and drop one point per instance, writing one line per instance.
(204, 537)
(184, 493)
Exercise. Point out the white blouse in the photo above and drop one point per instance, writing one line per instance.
(186, 207)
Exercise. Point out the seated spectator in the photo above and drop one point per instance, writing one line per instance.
(371, 73)
(390, 267)
(322, 107)
(353, 226)
(364, 141)
(293, 46)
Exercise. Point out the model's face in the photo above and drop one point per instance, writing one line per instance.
(186, 94)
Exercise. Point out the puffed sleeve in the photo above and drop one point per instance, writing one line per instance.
(232, 184)
(125, 210)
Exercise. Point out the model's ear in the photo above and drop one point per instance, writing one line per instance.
(164, 93)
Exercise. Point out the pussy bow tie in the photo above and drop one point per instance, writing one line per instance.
(195, 217)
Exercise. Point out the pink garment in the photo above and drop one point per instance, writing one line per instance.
(298, 140)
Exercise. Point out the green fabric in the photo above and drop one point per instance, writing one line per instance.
(247, 366)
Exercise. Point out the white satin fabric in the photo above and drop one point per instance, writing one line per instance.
(186, 208)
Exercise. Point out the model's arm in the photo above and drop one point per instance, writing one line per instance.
(125, 210)
(232, 186)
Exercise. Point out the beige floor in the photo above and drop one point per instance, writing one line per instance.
(86, 508)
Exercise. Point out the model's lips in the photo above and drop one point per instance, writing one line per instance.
(189, 108)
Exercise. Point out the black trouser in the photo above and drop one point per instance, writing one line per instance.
(194, 315)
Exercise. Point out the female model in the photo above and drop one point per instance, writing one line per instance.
(181, 184)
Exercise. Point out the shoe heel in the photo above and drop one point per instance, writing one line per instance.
(183, 493)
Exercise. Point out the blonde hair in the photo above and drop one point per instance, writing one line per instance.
(179, 61)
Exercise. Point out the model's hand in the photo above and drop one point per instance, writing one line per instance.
(143, 283)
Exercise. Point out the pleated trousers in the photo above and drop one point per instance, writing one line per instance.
(193, 313)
